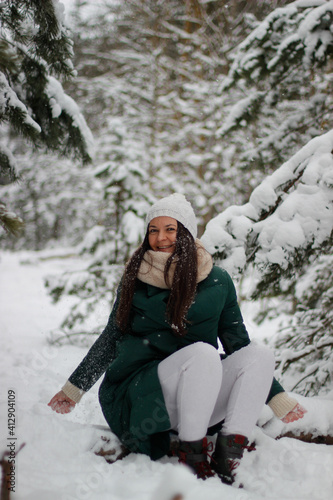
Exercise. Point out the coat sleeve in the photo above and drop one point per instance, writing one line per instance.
(100, 355)
(232, 331)
(276, 388)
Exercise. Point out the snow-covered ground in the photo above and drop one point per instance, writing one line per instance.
(58, 462)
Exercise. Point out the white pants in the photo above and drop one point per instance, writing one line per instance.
(200, 390)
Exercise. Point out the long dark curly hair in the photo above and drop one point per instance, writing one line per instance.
(182, 288)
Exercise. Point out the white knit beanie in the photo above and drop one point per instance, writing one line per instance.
(177, 207)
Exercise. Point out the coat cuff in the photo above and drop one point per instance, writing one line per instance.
(282, 404)
(73, 392)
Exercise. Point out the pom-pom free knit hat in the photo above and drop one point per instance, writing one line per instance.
(177, 207)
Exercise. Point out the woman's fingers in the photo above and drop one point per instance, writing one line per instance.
(62, 406)
(61, 403)
(295, 414)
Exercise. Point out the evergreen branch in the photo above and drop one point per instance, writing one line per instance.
(9, 60)
(66, 130)
(292, 357)
(283, 188)
(39, 26)
(46, 17)
(327, 322)
(14, 111)
(246, 109)
(308, 118)
(10, 221)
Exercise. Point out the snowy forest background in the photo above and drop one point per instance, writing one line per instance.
(108, 105)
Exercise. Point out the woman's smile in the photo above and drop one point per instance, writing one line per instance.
(168, 246)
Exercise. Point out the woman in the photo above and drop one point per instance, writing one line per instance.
(160, 358)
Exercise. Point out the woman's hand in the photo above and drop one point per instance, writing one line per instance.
(62, 403)
(295, 414)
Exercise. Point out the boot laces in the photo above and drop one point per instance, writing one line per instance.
(203, 468)
(233, 464)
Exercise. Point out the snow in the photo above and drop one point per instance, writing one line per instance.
(58, 460)
(238, 111)
(59, 10)
(87, 9)
(60, 101)
(133, 226)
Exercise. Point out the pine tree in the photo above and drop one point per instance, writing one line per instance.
(282, 75)
(286, 232)
(36, 50)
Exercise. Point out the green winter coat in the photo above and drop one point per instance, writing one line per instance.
(130, 394)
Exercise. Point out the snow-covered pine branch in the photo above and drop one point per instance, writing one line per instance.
(35, 47)
(298, 33)
(289, 214)
(241, 112)
(63, 106)
(13, 110)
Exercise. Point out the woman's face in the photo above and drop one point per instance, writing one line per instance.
(162, 234)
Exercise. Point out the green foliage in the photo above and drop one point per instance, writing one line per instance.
(39, 28)
(10, 221)
(34, 45)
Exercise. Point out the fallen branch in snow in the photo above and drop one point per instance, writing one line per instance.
(7, 468)
(111, 455)
(5, 481)
(308, 438)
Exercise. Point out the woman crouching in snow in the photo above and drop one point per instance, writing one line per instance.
(159, 353)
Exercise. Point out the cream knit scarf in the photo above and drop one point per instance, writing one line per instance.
(152, 266)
